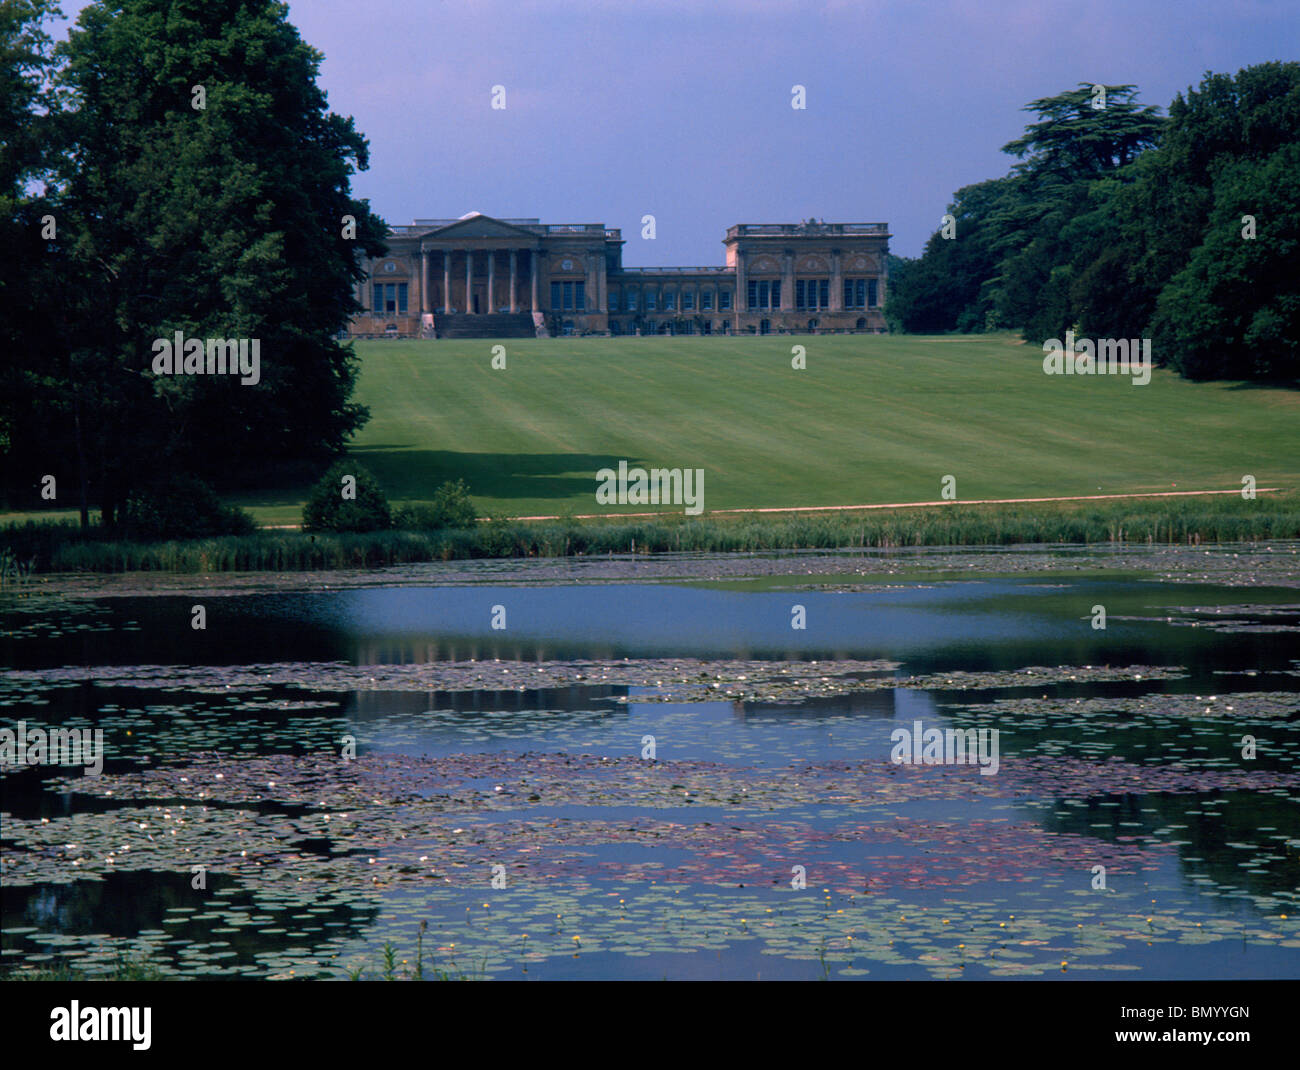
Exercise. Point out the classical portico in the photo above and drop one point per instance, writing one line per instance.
(479, 266)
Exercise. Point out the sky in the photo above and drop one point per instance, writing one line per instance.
(681, 109)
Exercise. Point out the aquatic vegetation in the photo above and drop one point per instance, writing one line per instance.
(1173, 521)
(498, 818)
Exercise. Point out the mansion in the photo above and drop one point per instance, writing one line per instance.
(480, 277)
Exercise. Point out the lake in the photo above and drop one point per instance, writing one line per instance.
(678, 767)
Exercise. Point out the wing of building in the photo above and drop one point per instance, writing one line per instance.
(480, 277)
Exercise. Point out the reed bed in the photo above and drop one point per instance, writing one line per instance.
(65, 548)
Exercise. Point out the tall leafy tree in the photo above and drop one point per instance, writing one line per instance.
(31, 397)
(1234, 310)
(1019, 242)
(1176, 266)
(1081, 136)
(945, 288)
(208, 193)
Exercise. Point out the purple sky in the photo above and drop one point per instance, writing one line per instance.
(618, 108)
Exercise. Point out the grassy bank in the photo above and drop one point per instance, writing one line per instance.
(873, 418)
(62, 548)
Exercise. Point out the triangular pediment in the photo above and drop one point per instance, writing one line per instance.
(478, 225)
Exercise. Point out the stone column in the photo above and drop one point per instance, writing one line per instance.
(787, 282)
(492, 280)
(469, 280)
(514, 272)
(446, 281)
(532, 264)
(425, 305)
(837, 283)
(592, 302)
(740, 304)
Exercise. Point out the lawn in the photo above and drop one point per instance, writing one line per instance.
(871, 419)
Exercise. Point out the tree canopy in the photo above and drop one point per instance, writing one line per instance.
(202, 186)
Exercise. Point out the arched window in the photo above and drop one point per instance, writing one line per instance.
(812, 326)
(764, 326)
(861, 324)
(615, 328)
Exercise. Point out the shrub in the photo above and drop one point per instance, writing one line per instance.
(327, 510)
(451, 508)
(181, 508)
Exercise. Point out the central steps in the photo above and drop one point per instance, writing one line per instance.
(493, 325)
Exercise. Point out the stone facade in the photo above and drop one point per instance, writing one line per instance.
(520, 275)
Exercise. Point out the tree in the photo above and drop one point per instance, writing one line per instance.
(1009, 264)
(1176, 266)
(29, 273)
(944, 290)
(208, 193)
(1234, 310)
(1074, 144)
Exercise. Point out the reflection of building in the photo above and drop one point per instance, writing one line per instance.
(481, 277)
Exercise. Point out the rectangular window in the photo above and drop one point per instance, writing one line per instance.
(706, 301)
(873, 293)
(631, 300)
(401, 298)
(390, 298)
(824, 293)
(651, 300)
(688, 301)
(753, 293)
(776, 294)
(556, 295)
(580, 296)
(724, 300)
(377, 297)
(855, 293)
(763, 295)
(670, 302)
